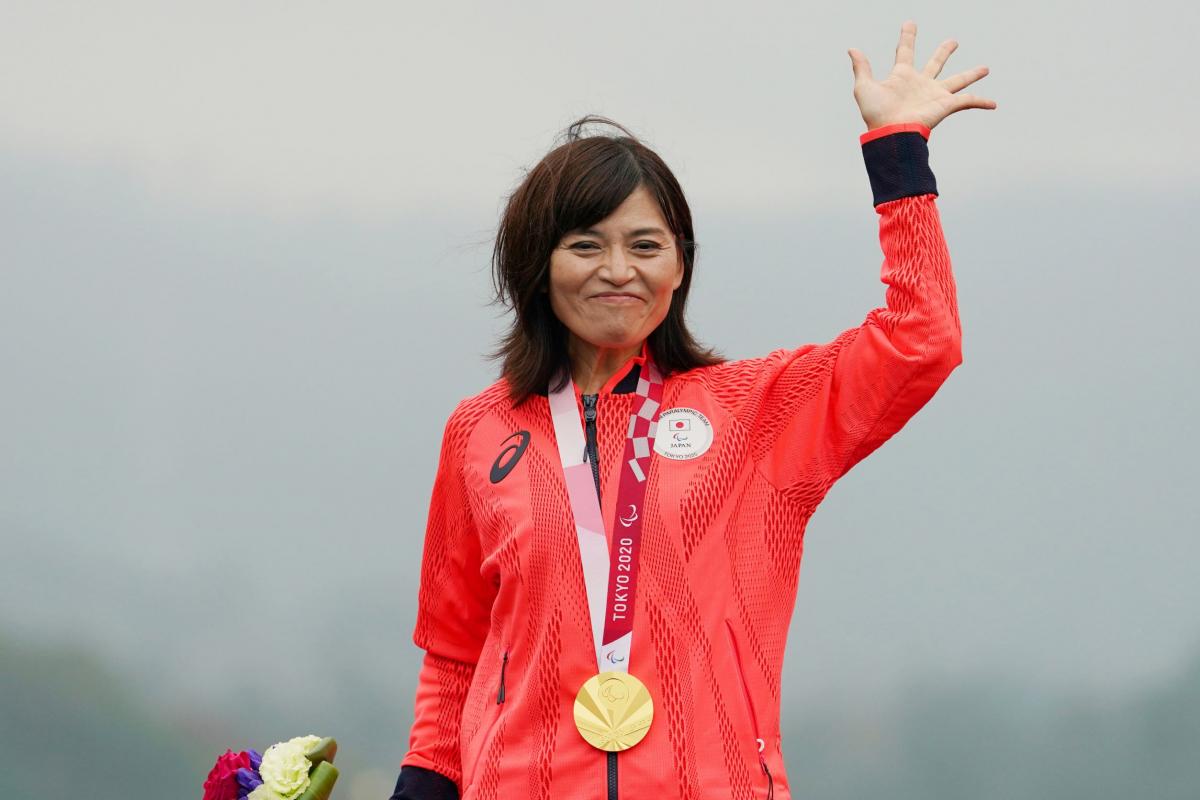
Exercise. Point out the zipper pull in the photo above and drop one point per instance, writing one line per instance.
(500, 694)
(589, 414)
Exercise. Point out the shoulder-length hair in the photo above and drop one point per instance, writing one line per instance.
(576, 185)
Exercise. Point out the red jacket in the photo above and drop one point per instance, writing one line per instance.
(502, 609)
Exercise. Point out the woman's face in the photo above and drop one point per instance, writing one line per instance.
(630, 252)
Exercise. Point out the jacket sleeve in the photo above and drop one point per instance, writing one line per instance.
(418, 783)
(818, 410)
(454, 605)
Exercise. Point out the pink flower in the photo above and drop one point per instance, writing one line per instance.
(222, 779)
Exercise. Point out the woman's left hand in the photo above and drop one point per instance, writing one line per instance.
(906, 95)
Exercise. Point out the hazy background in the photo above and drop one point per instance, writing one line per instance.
(244, 259)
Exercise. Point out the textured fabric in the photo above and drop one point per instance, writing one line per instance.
(502, 610)
(898, 165)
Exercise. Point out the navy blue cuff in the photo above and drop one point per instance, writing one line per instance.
(418, 783)
(898, 166)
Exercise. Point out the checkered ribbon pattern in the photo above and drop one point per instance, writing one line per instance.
(643, 422)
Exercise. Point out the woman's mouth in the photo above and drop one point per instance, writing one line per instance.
(618, 299)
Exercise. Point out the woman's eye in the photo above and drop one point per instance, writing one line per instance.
(650, 246)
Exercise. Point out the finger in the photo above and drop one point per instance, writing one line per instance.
(962, 101)
(938, 60)
(908, 41)
(964, 79)
(860, 64)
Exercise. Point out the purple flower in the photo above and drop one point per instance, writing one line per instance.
(248, 780)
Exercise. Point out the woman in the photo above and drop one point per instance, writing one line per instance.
(616, 527)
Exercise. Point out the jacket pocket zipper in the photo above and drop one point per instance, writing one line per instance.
(503, 667)
(495, 718)
(758, 740)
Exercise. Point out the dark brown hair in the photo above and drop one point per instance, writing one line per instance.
(575, 185)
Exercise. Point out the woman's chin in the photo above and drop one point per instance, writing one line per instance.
(615, 340)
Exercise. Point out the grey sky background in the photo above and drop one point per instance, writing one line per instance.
(244, 251)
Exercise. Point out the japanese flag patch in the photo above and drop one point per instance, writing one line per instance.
(682, 433)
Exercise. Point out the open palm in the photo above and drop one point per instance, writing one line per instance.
(906, 95)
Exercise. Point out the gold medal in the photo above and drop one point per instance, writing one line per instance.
(613, 710)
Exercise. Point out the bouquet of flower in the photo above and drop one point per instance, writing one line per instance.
(298, 769)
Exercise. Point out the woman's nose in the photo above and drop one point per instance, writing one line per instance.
(617, 264)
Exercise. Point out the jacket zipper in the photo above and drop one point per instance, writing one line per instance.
(591, 454)
(503, 665)
(758, 740)
(500, 695)
(591, 450)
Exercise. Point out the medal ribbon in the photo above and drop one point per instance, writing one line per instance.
(611, 591)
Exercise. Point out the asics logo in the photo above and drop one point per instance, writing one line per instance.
(512, 452)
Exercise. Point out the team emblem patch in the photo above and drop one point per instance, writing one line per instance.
(682, 434)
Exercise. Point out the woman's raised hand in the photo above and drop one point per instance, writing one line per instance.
(906, 95)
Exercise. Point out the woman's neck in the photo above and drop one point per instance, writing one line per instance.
(592, 366)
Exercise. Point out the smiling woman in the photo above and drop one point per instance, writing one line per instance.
(611, 285)
(616, 524)
(599, 216)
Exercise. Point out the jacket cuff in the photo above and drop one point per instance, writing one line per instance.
(897, 160)
(418, 783)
